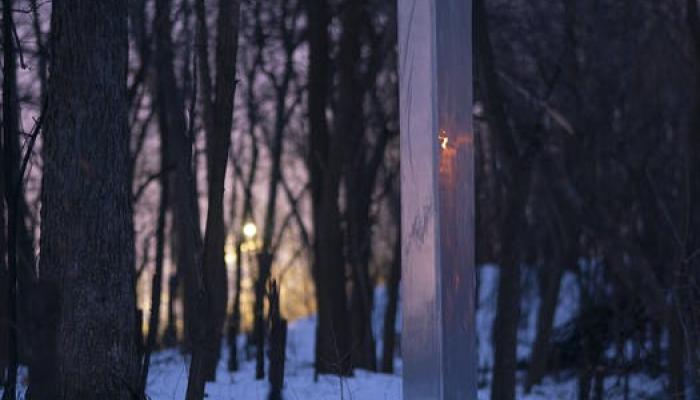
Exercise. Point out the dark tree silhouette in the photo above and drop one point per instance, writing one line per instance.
(218, 108)
(10, 125)
(87, 236)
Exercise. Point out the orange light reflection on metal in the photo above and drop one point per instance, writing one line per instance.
(442, 137)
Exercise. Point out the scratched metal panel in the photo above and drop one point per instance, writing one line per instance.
(437, 176)
(420, 345)
(456, 193)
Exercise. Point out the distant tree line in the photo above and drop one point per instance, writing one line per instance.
(588, 163)
(140, 109)
(145, 134)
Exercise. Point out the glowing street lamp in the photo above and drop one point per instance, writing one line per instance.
(437, 200)
(250, 230)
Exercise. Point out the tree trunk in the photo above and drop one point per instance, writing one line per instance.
(278, 344)
(235, 323)
(333, 341)
(218, 141)
(26, 261)
(156, 286)
(21, 261)
(264, 268)
(676, 356)
(170, 334)
(334, 347)
(26, 275)
(332, 344)
(505, 329)
(10, 118)
(3, 275)
(170, 106)
(361, 177)
(362, 300)
(393, 301)
(266, 257)
(358, 196)
(87, 241)
(545, 318)
(517, 170)
(689, 296)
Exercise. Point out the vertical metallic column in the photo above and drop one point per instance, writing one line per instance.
(437, 193)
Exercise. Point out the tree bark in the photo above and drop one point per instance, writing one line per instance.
(87, 236)
(676, 357)
(278, 345)
(235, 321)
(333, 341)
(247, 216)
(505, 329)
(690, 295)
(3, 273)
(358, 198)
(264, 267)
(26, 274)
(170, 334)
(20, 238)
(332, 347)
(170, 106)
(10, 124)
(517, 170)
(545, 317)
(389, 336)
(266, 256)
(218, 141)
(157, 284)
(359, 183)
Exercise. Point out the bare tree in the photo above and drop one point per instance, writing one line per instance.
(157, 284)
(3, 273)
(10, 116)
(85, 182)
(389, 336)
(503, 384)
(218, 141)
(288, 36)
(171, 108)
(251, 65)
(366, 155)
(170, 104)
(326, 160)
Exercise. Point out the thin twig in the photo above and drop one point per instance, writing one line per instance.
(30, 146)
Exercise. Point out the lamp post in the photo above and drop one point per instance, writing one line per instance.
(437, 193)
(249, 249)
(234, 255)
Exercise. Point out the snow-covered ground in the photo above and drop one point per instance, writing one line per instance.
(168, 377)
(169, 374)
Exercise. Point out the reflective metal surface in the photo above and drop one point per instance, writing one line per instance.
(437, 191)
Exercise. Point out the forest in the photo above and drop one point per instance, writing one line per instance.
(202, 199)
